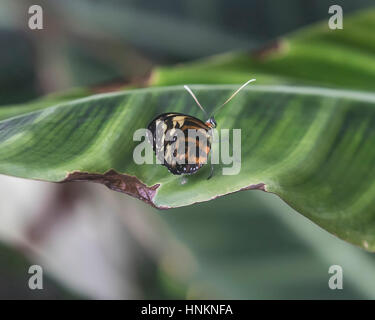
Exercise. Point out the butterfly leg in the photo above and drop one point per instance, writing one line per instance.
(183, 179)
(211, 172)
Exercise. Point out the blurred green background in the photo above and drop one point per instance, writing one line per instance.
(94, 243)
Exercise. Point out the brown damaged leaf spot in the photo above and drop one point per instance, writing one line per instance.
(270, 50)
(260, 186)
(118, 182)
(122, 84)
(134, 187)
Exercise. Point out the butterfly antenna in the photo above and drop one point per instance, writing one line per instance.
(235, 93)
(195, 98)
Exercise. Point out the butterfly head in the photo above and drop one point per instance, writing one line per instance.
(211, 122)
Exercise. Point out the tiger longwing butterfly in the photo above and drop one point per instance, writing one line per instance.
(190, 160)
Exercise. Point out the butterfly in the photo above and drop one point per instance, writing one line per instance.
(185, 160)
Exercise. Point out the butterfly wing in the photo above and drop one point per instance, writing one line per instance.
(195, 153)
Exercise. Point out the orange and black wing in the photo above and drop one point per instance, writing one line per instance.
(194, 153)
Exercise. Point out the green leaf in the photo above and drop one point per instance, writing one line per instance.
(42, 103)
(313, 147)
(315, 56)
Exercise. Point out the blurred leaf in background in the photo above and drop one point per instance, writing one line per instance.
(14, 271)
(253, 246)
